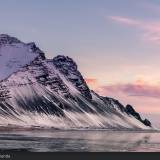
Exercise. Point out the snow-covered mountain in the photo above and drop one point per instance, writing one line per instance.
(35, 91)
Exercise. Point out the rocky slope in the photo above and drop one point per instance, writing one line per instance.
(35, 91)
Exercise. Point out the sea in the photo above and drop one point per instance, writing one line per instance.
(36, 140)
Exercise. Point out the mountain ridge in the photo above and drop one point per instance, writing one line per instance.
(54, 90)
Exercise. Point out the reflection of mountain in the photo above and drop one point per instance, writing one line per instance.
(80, 141)
(117, 141)
(35, 91)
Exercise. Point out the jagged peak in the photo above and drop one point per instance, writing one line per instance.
(32, 44)
(61, 59)
(7, 39)
(69, 68)
(130, 110)
(34, 48)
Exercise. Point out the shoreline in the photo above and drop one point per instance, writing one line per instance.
(43, 129)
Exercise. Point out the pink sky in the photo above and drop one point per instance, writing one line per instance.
(116, 43)
(150, 29)
(144, 97)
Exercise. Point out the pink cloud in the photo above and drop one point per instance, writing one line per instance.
(150, 29)
(92, 82)
(138, 90)
(144, 97)
(124, 20)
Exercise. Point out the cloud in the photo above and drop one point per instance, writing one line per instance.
(92, 83)
(144, 97)
(125, 20)
(91, 80)
(139, 89)
(150, 29)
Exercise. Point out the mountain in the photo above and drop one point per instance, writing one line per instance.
(40, 92)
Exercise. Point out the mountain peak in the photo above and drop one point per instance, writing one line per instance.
(7, 39)
(69, 69)
(15, 54)
(30, 83)
(62, 60)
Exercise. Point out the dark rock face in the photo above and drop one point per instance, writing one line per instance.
(35, 49)
(40, 71)
(70, 70)
(4, 93)
(147, 122)
(131, 111)
(118, 104)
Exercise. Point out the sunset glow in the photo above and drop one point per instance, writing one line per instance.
(117, 49)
